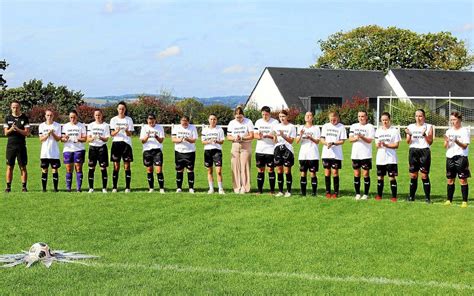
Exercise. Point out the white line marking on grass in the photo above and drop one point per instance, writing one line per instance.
(292, 275)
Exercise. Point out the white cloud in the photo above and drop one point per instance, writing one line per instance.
(112, 7)
(169, 52)
(468, 27)
(234, 69)
(109, 7)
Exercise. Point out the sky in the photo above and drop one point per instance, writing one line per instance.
(192, 48)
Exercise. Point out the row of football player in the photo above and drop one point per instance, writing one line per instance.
(274, 149)
(275, 139)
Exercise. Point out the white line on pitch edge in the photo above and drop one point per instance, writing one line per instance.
(289, 275)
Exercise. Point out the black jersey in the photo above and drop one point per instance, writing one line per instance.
(22, 122)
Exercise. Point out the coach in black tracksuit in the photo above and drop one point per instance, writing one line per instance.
(16, 128)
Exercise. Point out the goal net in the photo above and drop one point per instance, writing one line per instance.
(437, 110)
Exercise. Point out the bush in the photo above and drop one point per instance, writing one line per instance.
(86, 113)
(36, 114)
(224, 114)
(165, 113)
(348, 111)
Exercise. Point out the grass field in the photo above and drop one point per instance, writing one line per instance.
(239, 244)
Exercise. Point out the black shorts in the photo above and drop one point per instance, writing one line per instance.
(153, 157)
(263, 160)
(419, 160)
(311, 165)
(121, 150)
(46, 162)
(391, 169)
(184, 160)
(213, 156)
(282, 156)
(100, 155)
(332, 163)
(457, 166)
(365, 164)
(17, 153)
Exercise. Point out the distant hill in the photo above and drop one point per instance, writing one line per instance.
(231, 101)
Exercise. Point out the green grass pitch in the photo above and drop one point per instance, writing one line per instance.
(238, 244)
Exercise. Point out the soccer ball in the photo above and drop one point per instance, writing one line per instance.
(39, 251)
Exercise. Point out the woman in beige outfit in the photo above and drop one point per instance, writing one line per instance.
(240, 132)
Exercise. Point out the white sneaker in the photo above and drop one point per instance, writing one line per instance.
(151, 190)
(221, 191)
(104, 190)
(114, 190)
(242, 191)
(90, 190)
(178, 190)
(127, 190)
(279, 194)
(287, 194)
(191, 190)
(357, 197)
(162, 191)
(364, 197)
(210, 191)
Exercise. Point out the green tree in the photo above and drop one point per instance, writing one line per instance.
(190, 107)
(376, 48)
(34, 93)
(3, 66)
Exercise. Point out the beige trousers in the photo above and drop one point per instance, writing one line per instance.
(240, 163)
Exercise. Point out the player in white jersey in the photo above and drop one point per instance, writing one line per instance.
(122, 129)
(184, 137)
(284, 135)
(74, 135)
(49, 135)
(264, 150)
(333, 135)
(152, 136)
(387, 140)
(419, 137)
(456, 141)
(240, 132)
(361, 135)
(308, 157)
(98, 133)
(212, 137)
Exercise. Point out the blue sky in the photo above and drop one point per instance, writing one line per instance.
(193, 48)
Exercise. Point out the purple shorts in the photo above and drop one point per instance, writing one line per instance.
(74, 157)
